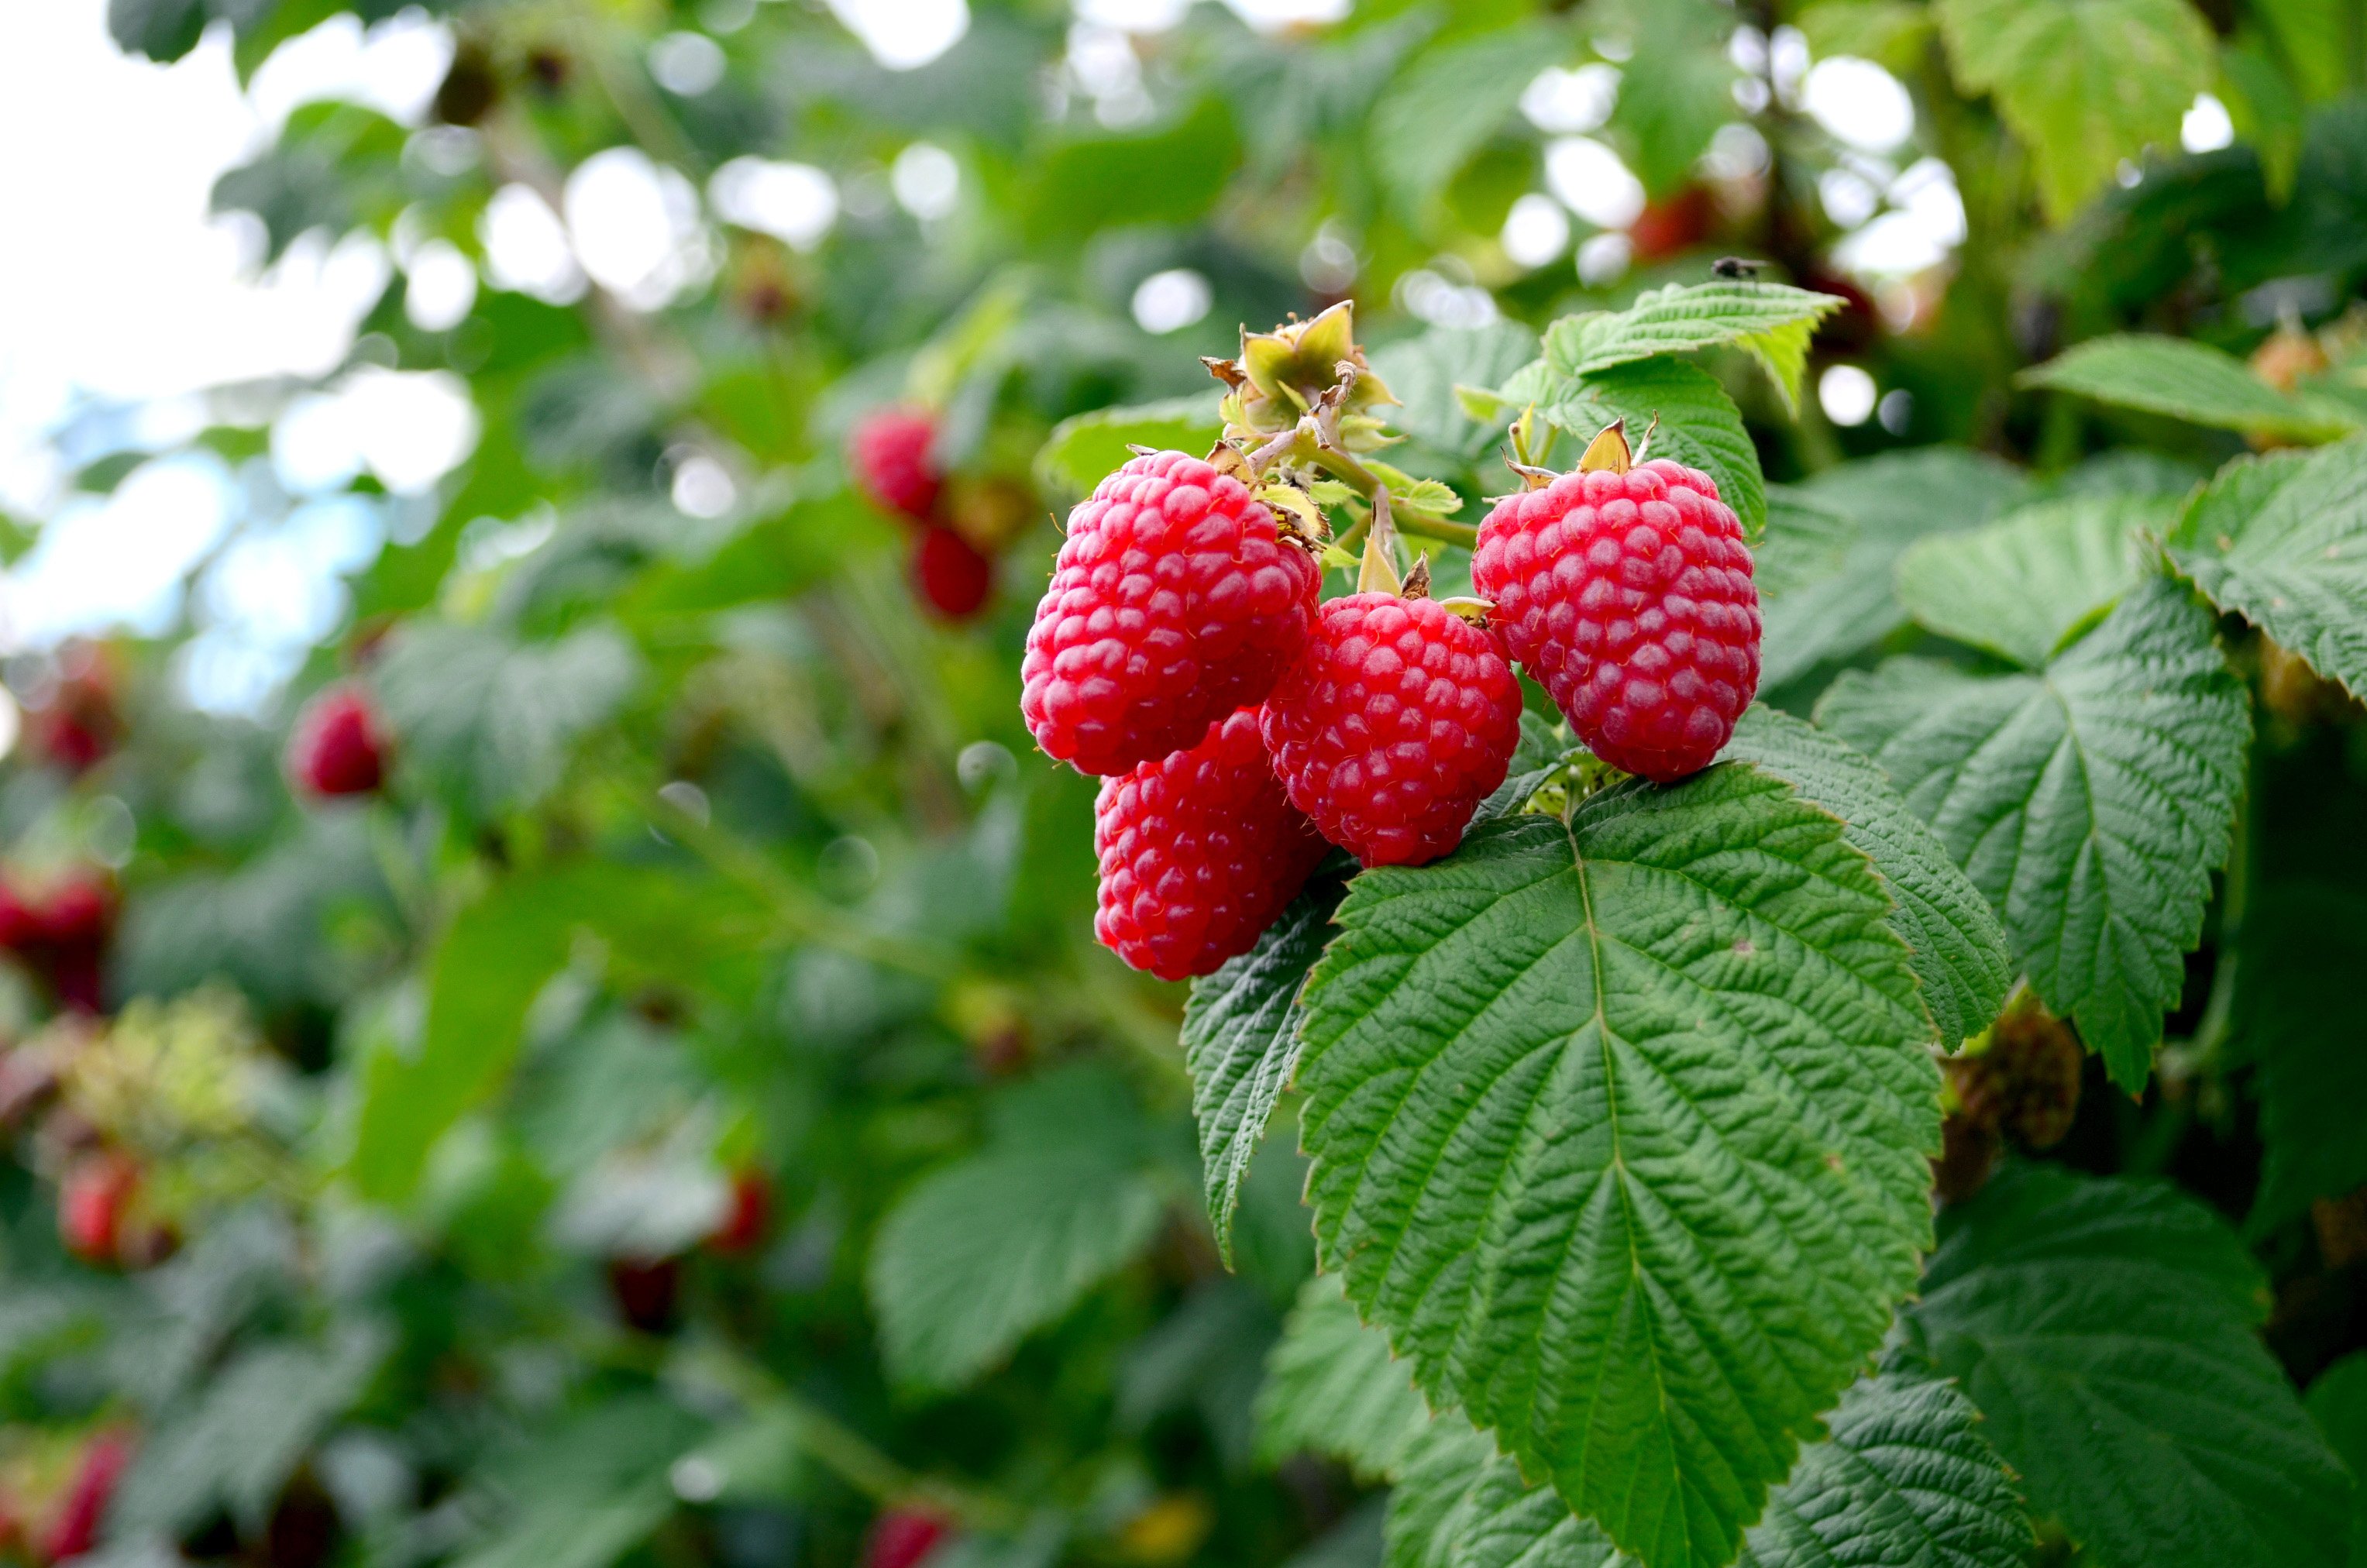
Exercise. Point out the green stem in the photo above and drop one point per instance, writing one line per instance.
(1422, 524)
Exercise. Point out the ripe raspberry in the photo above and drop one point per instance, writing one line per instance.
(949, 574)
(1174, 600)
(75, 1530)
(92, 1202)
(891, 460)
(1392, 728)
(61, 932)
(1629, 596)
(1199, 852)
(903, 1536)
(748, 1218)
(336, 747)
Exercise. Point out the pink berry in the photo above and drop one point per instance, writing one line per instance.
(75, 1530)
(1175, 600)
(1629, 596)
(891, 461)
(1199, 852)
(336, 747)
(950, 575)
(903, 1536)
(92, 1197)
(1397, 721)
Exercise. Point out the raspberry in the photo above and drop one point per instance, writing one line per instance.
(1628, 594)
(1174, 600)
(748, 1218)
(334, 747)
(91, 1201)
(1199, 852)
(949, 574)
(903, 1537)
(75, 1530)
(62, 931)
(1392, 728)
(891, 460)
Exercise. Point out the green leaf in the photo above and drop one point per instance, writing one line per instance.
(2083, 84)
(587, 1494)
(1088, 448)
(1169, 173)
(1960, 954)
(2191, 381)
(2304, 31)
(2281, 541)
(1425, 371)
(494, 721)
(1544, 748)
(2023, 587)
(1618, 1127)
(1894, 33)
(163, 30)
(2089, 802)
(2304, 947)
(1906, 1477)
(1891, 501)
(1771, 320)
(2337, 1403)
(1241, 1045)
(1678, 88)
(1448, 105)
(1699, 425)
(983, 1252)
(1333, 1388)
(2108, 1330)
(1807, 541)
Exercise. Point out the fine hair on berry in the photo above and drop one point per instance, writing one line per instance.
(1199, 852)
(1629, 596)
(1175, 600)
(1397, 722)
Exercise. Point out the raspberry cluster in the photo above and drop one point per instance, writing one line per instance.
(957, 525)
(1629, 596)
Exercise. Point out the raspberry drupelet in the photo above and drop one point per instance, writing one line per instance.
(1199, 852)
(1175, 600)
(1397, 721)
(1628, 594)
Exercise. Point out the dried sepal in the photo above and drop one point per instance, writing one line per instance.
(1608, 452)
(1465, 607)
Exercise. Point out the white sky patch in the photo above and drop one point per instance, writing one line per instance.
(1847, 394)
(926, 180)
(1536, 230)
(118, 559)
(795, 203)
(1859, 103)
(1593, 182)
(1922, 228)
(1276, 15)
(1564, 102)
(526, 247)
(440, 285)
(904, 35)
(687, 64)
(1133, 16)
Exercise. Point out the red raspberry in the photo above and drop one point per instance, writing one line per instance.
(1393, 726)
(1174, 600)
(903, 1536)
(62, 931)
(336, 747)
(949, 574)
(1199, 851)
(75, 1530)
(749, 1217)
(92, 1202)
(891, 460)
(1629, 596)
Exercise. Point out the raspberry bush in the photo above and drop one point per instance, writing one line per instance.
(1165, 797)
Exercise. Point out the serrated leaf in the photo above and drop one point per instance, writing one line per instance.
(1892, 501)
(1772, 321)
(2089, 802)
(1445, 105)
(1699, 425)
(1807, 541)
(1086, 449)
(2281, 541)
(1960, 954)
(2084, 84)
(1333, 1388)
(1240, 1044)
(2191, 381)
(983, 1252)
(1904, 1478)
(2022, 586)
(1566, 1148)
(1425, 371)
(2108, 1330)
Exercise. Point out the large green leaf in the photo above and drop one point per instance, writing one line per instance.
(584, 1495)
(1422, 372)
(2022, 586)
(2085, 84)
(2108, 1331)
(1445, 105)
(1805, 541)
(1960, 953)
(2089, 801)
(1240, 1044)
(2337, 1403)
(2191, 381)
(2281, 541)
(1905, 1479)
(1618, 1128)
(1891, 501)
(1088, 448)
(1771, 320)
(1689, 415)
(1333, 1388)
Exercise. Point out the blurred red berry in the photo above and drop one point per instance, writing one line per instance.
(904, 1536)
(1671, 225)
(750, 1216)
(336, 747)
(61, 932)
(75, 1530)
(91, 1201)
(891, 461)
(646, 1291)
(949, 574)
(76, 725)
